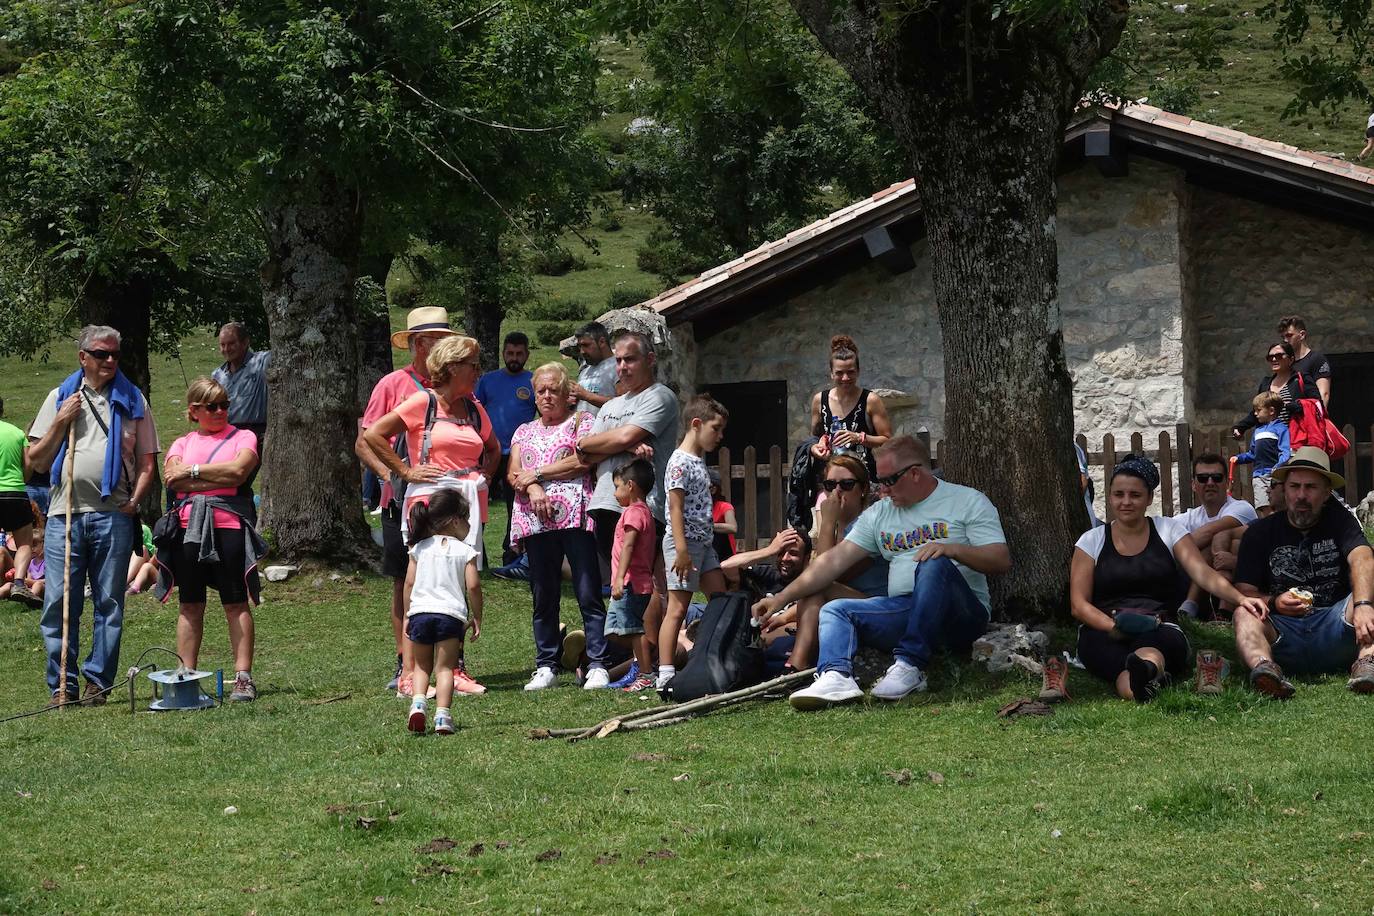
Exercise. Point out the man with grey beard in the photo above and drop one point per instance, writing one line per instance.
(1315, 568)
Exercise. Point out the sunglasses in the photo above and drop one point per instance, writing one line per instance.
(892, 479)
(1275, 357)
(1209, 478)
(845, 485)
(102, 355)
(213, 406)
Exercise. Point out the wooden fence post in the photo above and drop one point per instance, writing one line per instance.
(1108, 462)
(777, 486)
(723, 456)
(751, 499)
(1166, 474)
(1183, 439)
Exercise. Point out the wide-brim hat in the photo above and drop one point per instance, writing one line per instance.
(428, 319)
(1309, 458)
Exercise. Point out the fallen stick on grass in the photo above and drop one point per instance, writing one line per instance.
(672, 713)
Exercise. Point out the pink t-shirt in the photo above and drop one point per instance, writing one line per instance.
(539, 447)
(640, 574)
(199, 448)
(387, 394)
(452, 446)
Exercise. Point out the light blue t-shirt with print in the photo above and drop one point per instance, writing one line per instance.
(952, 514)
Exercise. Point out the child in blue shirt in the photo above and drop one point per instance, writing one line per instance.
(1268, 448)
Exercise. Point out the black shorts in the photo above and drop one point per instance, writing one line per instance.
(1369, 133)
(432, 629)
(395, 561)
(1105, 658)
(15, 511)
(225, 577)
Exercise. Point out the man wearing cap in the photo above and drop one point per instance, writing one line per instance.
(424, 328)
(1315, 568)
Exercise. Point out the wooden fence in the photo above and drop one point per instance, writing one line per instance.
(1172, 453)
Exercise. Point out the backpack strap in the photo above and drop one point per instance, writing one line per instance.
(431, 411)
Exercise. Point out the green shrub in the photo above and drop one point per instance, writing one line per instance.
(564, 310)
(611, 222)
(551, 333)
(625, 298)
(557, 261)
(664, 256)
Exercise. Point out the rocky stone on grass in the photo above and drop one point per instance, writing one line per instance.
(1365, 510)
(280, 573)
(1000, 647)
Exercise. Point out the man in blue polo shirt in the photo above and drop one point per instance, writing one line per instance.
(508, 396)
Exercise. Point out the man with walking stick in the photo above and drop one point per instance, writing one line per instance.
(94, 437)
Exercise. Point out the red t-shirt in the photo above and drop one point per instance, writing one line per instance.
(719, 509)
(452, 446)
(197, 447)
(640, 574)
(390, 391)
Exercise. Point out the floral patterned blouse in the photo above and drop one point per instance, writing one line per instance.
(541, 446)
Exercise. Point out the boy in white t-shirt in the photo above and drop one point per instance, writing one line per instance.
(688, 553)
(443, 597)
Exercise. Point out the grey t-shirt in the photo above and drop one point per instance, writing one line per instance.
(598, 379)
(247, 388)
(140, 438)
(653, 410)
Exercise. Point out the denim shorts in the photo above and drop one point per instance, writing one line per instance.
(1320, 643)
(625, 615)
(704, 560)
(432, 629)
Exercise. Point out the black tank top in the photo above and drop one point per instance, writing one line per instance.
(856, 421)
(1150, 579)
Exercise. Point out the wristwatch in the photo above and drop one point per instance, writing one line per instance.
(195, 472)
(539, 477)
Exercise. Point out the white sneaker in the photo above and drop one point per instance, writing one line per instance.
(901, 679)
(830, 688)
(597, 678)
(543, 678)
(662, 680)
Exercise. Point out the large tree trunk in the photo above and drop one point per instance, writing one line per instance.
(374, 331)
(980, 105)
(313, 508)
(486, 308)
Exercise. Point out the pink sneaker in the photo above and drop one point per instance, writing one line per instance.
(463, 683)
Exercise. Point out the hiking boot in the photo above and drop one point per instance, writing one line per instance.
(570, 656)
(518, 570)
(1212, 669)
(626, 679)
(1267, 678)
(57, 699)
(395, 678)
(94, 695)
(597, 679)
(902, 678)
(542, 679)
(415, 719)
(828, 689)
(443, 722)
(25, 596)
(464, 684)
(1362, 675)
(245, 691)
(1145, 677)
(1054, 683)
(640, 683)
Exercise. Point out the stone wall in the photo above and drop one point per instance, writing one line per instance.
(1121, 302)
(1248, 265)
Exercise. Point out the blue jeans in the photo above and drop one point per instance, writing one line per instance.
(1320, 643)
(545, 552)
(941, 612)
(102, 543)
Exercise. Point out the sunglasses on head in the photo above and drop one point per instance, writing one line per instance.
(213, 406)
(845, 485)
(891, 479)
(102, 355)
(1209, 478)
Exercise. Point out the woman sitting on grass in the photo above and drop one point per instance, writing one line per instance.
(1125, 587)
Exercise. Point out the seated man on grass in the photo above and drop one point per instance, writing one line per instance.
(1211, 521)
(941, 541)
(1315, 568)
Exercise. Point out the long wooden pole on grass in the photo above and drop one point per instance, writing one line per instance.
(70, 470)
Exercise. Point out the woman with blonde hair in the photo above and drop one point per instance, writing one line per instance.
(553, 491)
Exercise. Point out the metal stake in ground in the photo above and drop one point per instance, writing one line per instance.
(70, 470)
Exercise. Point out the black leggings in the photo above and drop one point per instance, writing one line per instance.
(1105, 657)
(226, 576)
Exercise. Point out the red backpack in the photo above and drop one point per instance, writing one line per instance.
(1308, 424)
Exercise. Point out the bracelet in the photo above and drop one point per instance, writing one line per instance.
(1364, 603)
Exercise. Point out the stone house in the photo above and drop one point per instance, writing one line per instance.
(1180, 245)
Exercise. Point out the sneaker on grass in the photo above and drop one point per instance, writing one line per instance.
(1054, 684)
(1267, 678)
(570, 656)
(542, 679)
(245, 691)
(464, 685)
(443, 722)
(628, 678)
(395, 678)
(597, 679)
(829, 688)
(640, 683)
(901, 679)
(415, 719)
(1362, 675)
(1212, 669)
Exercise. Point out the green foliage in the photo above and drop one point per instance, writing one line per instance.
(669, 257)
(557, 260)
(554, 309)
(629, 296)
(1328, 63)
(748, 123)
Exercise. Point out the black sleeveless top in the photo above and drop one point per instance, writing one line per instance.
(856, 421)
(1150, 579)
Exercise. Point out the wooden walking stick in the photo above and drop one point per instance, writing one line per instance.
(70, 470)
